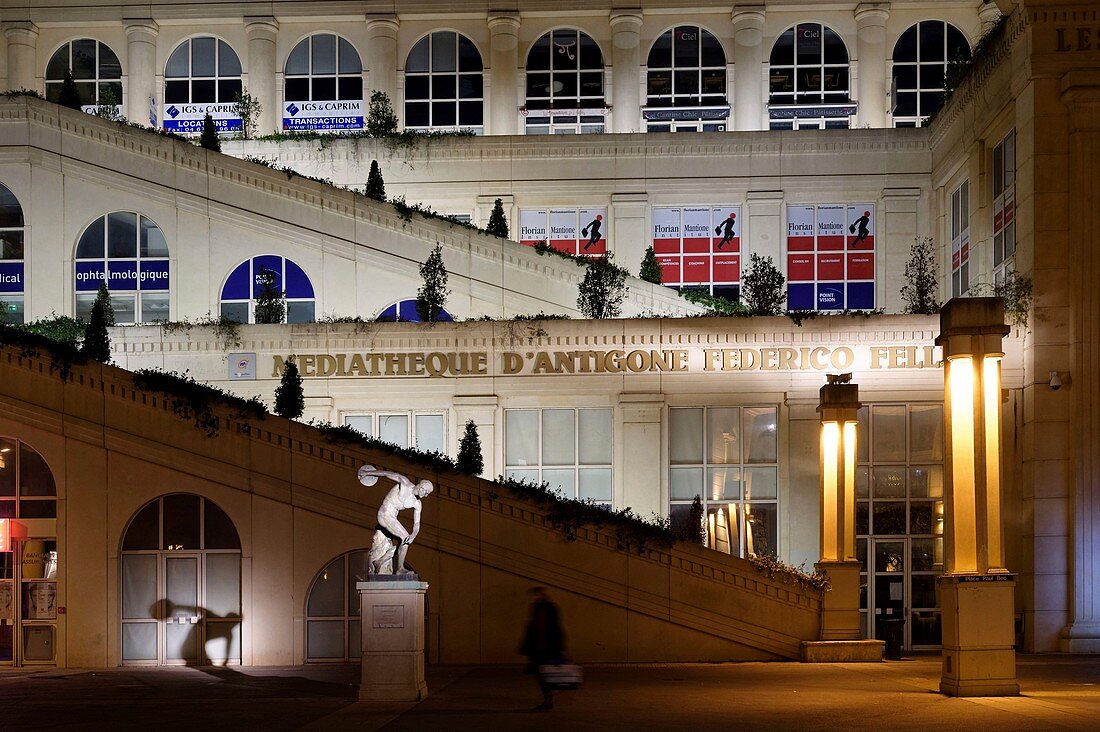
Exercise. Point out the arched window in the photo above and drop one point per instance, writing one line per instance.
(404, 311)
(686, 82)
(922, 56)
(27, 488)
(203, 76)
(245, 283)
(181, 584)
(443, 84)
(13, 281)
(128, 251)
(333, 631)
(809, 79)
(323, 85)
(565, 84)
(95, 69)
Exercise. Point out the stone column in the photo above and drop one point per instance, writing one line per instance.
(762, 226)
(141, 71)
(748, 68)
(22, 40)
(262, 33)
(871, 55)
(641, 454)
(382, 59)
(482, 409)
(989, 14)
(626, 63)
(503, 74)
(628, 233)
(1081, 95)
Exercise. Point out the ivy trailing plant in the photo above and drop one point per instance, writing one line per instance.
(12, 93)
(406, 210)
(194, 401)
(227, 330)
(716, 306)
(772, 568)
(63, 353)
(650, 271)
(58, 328)
(602, 291)
(346, 435)
(921, 279)
(1016, 291)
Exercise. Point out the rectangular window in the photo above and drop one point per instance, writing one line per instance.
(699, 247)
(831, 257)
(570, 449)
(425, 431)
(1004, 206)
(728, 458)
(960, 240)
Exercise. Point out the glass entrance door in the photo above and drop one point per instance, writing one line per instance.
(182, 611)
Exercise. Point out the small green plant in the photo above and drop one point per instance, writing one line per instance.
(381, 119)
(68, 95)
(714, 304)
(271, 304)
(107, 108)
(209, 138)
(603, 289)
(1016, 290)
(196, 402)
(762, 287)
(773, 568)
(498, 223)
(431, 298)
(376, 187)
(97, 343)
(650, 270)
(249, 109)
(469, 459)
(290, 399)
(58, 328)
(346, 435)
(226, 330)
(921, 279)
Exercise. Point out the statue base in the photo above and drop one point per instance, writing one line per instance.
(392, 620)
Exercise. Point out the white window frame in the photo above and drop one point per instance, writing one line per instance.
(457, 100)
(959, 255)
(838, 98)
(15, 299)
(341, 46)
(511, 471)
(1004, 205)
(919, 62)
(572, 120)
(410, 426)
(86, 297)
(98, 80)
(190, 77)
(669, 100)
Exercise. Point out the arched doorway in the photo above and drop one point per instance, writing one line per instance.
(181, 584)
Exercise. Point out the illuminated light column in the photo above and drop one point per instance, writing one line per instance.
(382, 59)
(838, 406)
(140, 93)
(22, 40)
(871, 50)
(626, 110)
(977, 592)
(748, 67)
(503, 74)
(262, 34)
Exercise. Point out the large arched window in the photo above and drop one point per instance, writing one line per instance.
(246, 282)
(203, 76)
(404, 311)
(128, 251)
(921, 59)
(181, 584)
(323, 85)
(333, 632)
(565, 84)
(27, 488)
(809, 79)
(443, 84)
(95, 69)
(686, 82)
(13, 281)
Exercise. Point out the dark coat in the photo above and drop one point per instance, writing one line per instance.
(544, 641)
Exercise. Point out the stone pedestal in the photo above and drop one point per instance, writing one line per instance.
(840, 605)
(978, 635)
(393, 641)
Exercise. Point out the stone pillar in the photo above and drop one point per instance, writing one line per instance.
(382, 59)
(262, 33)
(626, 64)
(503, 74)
(988, 14)
(871, 55)
(141, 98)
(628, 233)
(1081, 95)
(977, 592)
(641, 458)
(762, 226)
(511, 213)
(22, 40)
(748, 68)
(392, 614)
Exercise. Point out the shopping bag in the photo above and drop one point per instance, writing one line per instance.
(562, 675)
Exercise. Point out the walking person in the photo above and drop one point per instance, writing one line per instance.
(593, 226)
(861, 224)
(726, 230)
(543, 641)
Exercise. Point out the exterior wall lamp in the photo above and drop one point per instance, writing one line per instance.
(977, 591)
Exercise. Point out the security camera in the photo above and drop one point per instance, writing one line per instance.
(1055, 381)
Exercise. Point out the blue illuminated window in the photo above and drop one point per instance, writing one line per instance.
(129, 252)
(242, 288)
(405, 312)
(13, 280)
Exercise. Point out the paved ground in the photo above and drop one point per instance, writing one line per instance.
(1059, 693)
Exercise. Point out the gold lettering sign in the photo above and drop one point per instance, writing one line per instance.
(454, 364)
(1082, 38)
